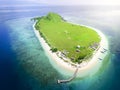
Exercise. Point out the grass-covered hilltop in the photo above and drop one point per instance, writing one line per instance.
(67, 40)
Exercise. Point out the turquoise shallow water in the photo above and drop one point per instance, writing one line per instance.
(24, 64)
(30, 54)
(35, 62)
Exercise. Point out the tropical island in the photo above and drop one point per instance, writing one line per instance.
(71, 46)
(69, 41)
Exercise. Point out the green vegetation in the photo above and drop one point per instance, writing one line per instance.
(54, 49)
(77, 41)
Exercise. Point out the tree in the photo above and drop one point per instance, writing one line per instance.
(54, 49)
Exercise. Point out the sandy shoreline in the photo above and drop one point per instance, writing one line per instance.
(86, 67)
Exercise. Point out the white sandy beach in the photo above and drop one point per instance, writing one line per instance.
(86, 67)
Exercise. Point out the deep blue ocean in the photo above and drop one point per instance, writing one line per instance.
(25, 66)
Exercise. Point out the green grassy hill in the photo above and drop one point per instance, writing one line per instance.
(78, 41)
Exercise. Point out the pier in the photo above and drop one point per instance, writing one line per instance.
(70, 79)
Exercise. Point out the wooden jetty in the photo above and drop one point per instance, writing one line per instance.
(70, 79)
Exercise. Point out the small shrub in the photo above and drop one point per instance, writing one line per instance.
(54, 49)
(81, 57)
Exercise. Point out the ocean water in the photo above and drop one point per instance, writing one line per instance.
(24, 64)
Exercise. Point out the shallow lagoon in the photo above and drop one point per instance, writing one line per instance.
(33, 69)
